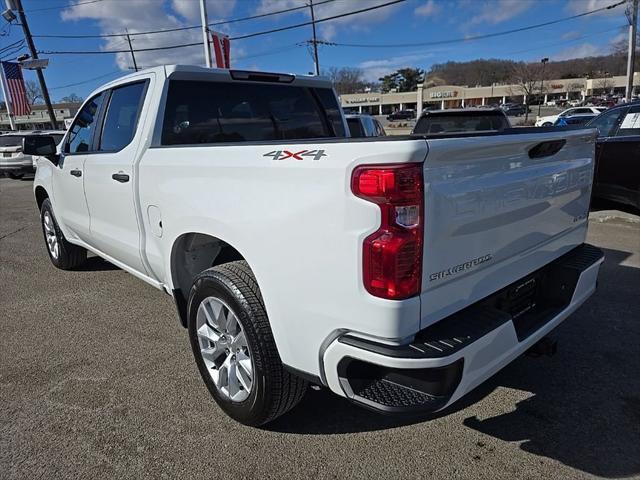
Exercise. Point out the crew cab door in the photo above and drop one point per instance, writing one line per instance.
(608, 150)
(109, 176)
(618, 171)
(70, 205)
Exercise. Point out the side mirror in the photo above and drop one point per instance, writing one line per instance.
(40, 145)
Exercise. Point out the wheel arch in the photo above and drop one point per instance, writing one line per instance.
(41, 195)
(192, 253)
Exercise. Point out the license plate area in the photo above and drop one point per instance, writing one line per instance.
(7, 154)
(536, 299)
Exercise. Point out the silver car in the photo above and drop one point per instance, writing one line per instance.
(13, 162)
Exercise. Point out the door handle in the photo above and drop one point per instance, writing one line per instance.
(120, 177)
(76, 173)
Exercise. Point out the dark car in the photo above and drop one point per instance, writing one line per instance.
(364, 126)
(515, 109)
(402, 115)
(573, 120)
(617, 175)
(461, 120)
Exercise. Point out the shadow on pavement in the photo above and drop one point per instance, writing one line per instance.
(584, 410)
(599, 204)
(96, 264)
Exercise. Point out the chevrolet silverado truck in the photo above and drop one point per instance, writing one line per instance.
(399, 272)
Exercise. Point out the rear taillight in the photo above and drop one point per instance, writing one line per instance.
(392, 256)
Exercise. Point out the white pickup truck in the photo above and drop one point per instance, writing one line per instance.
(399, 272)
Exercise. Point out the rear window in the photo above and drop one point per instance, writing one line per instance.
(460, 123)
(10, 140)
(209, 112)
(355, 127)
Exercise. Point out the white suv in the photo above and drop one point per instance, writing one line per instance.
(551, 119)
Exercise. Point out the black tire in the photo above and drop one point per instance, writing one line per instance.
(70, 256)
(274, 391)
(15, 176)
(547, 124)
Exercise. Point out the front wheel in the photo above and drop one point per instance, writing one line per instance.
(234, 347)
(63, 254)
(547, 124)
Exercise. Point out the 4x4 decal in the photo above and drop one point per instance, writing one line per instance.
(284, 154)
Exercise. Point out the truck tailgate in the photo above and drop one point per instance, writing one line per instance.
(493, 214)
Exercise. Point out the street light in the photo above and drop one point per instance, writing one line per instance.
(544, 62)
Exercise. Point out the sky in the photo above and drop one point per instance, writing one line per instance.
(409, 22)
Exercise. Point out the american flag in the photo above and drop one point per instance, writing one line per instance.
(17, 92)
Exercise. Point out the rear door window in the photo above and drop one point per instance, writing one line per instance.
(630, 125)
(608, 122)
(122, 117)
(209, 112)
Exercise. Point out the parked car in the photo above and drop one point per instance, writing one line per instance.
(575, 103)
(617, 175)
(461, 120)
(549, 120)
(13, 162)
(402, 115)
(515, 109)
(364, 126)
(573, 120)
(399, 273)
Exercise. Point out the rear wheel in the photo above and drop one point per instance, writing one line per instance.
(63, 254)
(234, 347)
(547, 124)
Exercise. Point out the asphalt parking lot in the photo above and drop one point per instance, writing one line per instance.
(97, 380)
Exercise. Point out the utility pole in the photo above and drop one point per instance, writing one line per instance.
(631, 54)
(7, 102)
(544, 62)
(315, 40)
(205, 33)
(34, 56)
(133, 56)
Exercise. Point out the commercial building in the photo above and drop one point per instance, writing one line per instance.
(456, 96)
(39, 117)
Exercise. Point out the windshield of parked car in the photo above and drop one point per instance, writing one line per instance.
(11, 140)
(460, 122)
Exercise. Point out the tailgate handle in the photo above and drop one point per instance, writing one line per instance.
(546, 149)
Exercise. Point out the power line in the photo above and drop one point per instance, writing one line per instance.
(566, 42)
(476, 37)
(86, 81)
(177, 29)
(326, 19)
(11, 45)
(62, 7)
(241, 37)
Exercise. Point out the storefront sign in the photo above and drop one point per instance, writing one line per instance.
(363, 100)
(445, 94)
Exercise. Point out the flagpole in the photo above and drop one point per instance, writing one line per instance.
(7, 101)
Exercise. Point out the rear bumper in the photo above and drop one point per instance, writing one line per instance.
(450, 358)
(16, 167)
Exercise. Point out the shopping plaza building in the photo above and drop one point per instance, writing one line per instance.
(38, 119)
(455, 96)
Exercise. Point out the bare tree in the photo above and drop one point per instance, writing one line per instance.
(346, 80)
(605, 83)
(526, 78)
(34, 95)
(71, 98)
